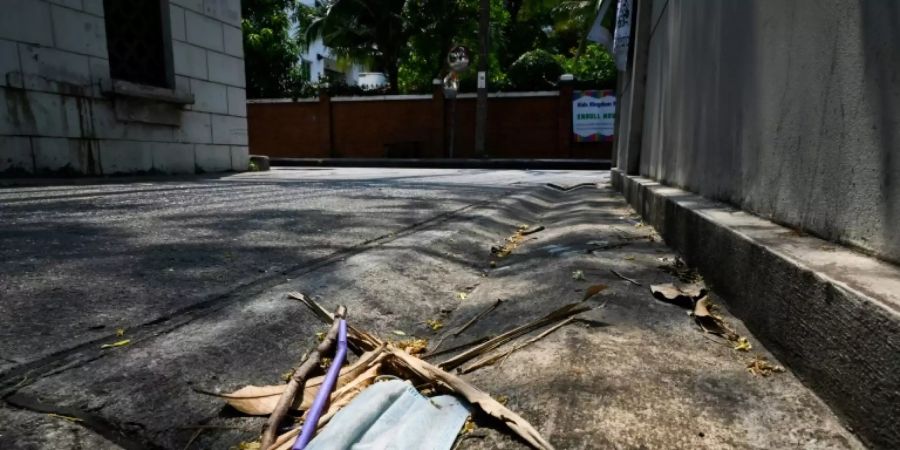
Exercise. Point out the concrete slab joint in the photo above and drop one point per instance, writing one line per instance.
(831, 314)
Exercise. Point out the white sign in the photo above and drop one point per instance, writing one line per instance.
(623, 34)
(593, 115)
(482, 80)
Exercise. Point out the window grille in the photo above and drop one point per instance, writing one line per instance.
(134, 37)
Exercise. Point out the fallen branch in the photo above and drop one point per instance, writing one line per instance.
(474, 396)
(360, 341)
(457, 347)
(261, 400)
(555, 316)
(435, 375)
(532, 230)
(488, 360)
(630, 280)
(466, 325)
(298, 378)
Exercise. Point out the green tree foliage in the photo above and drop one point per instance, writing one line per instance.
(270, 53)
(369, 31)
(594, 69)
(532, 41)
(535, 70)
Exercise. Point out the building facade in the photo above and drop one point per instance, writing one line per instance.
(757, 136)
(789, 110)
(105, 87)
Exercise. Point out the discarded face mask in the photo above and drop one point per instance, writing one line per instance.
(392, 415)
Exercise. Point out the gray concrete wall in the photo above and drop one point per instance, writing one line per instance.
(788, 109)
(57, 114)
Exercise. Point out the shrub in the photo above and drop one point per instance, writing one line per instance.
(535, 70)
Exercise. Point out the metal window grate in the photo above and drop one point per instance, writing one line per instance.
(134, 37)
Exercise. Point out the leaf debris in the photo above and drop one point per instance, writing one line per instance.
(434, 324)
(66, 418)
(121, 343)
(761, 366)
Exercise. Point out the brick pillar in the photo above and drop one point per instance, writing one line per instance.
(438, 146)
(325, 131)
(564, 140)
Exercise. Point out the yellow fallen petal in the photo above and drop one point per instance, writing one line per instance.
(120, 332)
(117, 344)
(398, 333)
(462, 295)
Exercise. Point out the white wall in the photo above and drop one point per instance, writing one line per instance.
(789, 110)
(60, 116)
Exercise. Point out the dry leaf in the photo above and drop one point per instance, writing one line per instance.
(593, 290)
(412, 346)
(249, 446)
(261, 400)
(742, 344)
(427, 372)
(553, 317)
(474, 396)
(683, 295)
(712, 323)
(488, 360)
(66, 418)
(469, 426)
(760, 366)
(578, 275)
(121, 343)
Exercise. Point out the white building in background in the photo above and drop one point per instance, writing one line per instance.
(319, 62)
(99, 87)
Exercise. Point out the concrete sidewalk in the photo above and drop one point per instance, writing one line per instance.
(397, 247)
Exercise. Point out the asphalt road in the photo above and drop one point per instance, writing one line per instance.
(78, 262)
(195, 272)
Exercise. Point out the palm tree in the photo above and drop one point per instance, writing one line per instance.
(371, 31)
(581, 14)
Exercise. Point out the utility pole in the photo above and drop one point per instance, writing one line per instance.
(481, 104)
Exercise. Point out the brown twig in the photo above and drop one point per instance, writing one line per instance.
(532, 230)
(457, 347)
(465, 326)
(359, 341)
(298, 379)
(630, 280)
(555, 316)
(488, 360)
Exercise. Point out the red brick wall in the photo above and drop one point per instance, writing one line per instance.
(518, 127)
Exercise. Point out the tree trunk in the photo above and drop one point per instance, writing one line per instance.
(393, 73)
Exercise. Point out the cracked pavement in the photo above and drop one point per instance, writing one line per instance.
(196, 271)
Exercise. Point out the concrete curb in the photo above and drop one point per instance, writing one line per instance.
(831, 314)
(455, 163)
